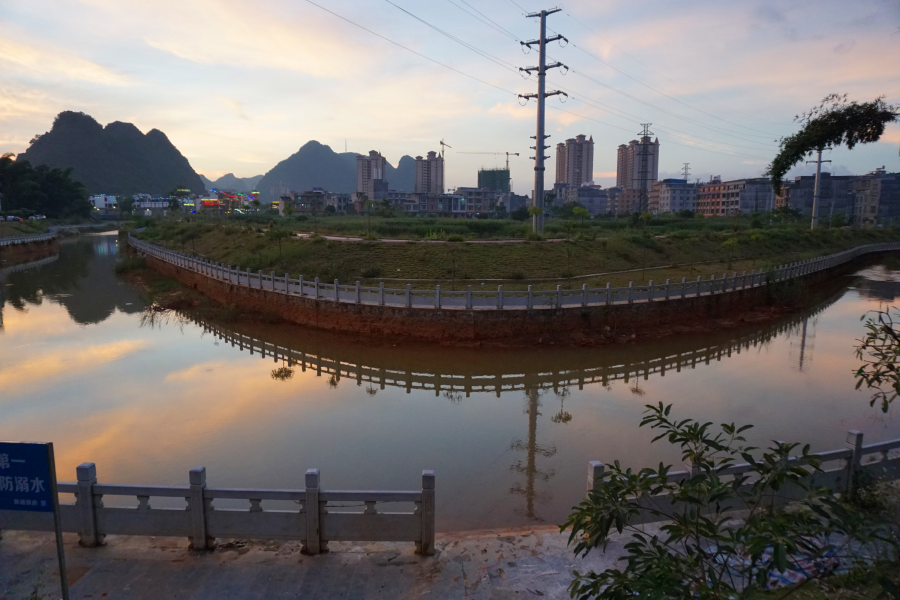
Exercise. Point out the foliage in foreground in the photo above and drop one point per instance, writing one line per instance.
(705, 551)
(880, 352)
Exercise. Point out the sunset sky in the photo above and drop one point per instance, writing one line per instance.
(239, 86)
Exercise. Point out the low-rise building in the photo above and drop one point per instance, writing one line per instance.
(875, 198)
(673, 195)
(719, 198)
(834, 195)
(478, 200)
(303, 203)
(592, 197)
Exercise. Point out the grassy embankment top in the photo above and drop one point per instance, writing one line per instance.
(701, 247)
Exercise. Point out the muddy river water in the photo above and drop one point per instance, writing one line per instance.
(508, 432)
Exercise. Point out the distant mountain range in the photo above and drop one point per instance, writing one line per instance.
(116, 159)
(230, 183)
(317, 165)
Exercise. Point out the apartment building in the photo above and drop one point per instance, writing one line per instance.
(575, 161)
(430, 174)
(719, 198)
(673, 195)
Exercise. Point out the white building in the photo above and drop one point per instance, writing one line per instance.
(673, 195)
(370, 174)
(636, 162)
(104, 201)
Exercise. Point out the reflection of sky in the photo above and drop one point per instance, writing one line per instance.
(147, 404)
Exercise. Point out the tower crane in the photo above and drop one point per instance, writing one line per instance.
(508, 154)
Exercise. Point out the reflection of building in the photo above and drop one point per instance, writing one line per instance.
(575, 161)
(430, 174)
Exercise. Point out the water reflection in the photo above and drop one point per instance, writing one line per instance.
(81, 278)
(508, 431)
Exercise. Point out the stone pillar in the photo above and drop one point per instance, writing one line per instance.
(197, 506)
(468, 296)
(426, 546)
(87, 505)
(337, 291)
(500, 296)
(437, 296)
(584, 294)
(855, 441)
(313, 529)
(408, 296)
(595, 475)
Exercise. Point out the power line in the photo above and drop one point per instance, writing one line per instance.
(645, 65)
(490, 57)
(511, 34)
(399, 45)
(489, 24)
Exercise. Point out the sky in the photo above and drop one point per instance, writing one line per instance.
(239, 86)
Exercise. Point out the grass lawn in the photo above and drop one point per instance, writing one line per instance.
(657, 256)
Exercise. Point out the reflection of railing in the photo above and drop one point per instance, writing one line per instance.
(878, 466)
(500, 299)
(493, 382)
(202, 520)
(4, 273)
(26, 239)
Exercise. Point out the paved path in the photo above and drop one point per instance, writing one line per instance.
(502, 565)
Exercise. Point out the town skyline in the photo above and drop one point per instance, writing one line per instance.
(233, 107)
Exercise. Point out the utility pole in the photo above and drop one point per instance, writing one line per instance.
(815, 206)
(539, 147)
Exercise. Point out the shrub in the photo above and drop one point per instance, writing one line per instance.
(533, 237)
(455, 238)
(371, 273)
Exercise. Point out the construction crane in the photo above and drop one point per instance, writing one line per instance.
(508, 154)
(442, 147)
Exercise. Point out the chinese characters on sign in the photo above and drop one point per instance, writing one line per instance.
(24, 477)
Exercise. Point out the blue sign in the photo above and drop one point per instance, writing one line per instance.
(25, 477)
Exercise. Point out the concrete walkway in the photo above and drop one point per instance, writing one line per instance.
(498, 565)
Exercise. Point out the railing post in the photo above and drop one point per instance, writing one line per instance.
(197, 505)
(855, 441)
(683, 287)
(301, 285)
(408, 296)
(584, 294)
(668, 288)
(699, 285)
(317, 288)
(559, 296)
(249, 281)
(630, 292)
(608, 294)
(500, 296)
(313, 539)
(437, 296)
(337, 291)
(273, 281)
(357, 292)
(650, 291)
(426, 546)
(287, 283)
(259, 276)
(381, 293)
(595, 475)
(468, 296)
(529, 304)
(87, 505)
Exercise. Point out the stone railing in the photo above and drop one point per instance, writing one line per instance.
(7, 271)
(26, 239)
(203, 513)
(861, 463)
(502, 300)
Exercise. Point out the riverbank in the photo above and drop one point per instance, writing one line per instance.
(585, 320)
(617, 258)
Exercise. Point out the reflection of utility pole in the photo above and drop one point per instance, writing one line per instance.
(815, 206)
(532, 449)
(803, 344)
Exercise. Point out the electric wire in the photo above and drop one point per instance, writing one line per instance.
(399, 45)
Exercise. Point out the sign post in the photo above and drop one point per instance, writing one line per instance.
(28, 484)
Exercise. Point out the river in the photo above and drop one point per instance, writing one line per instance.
(508, 432)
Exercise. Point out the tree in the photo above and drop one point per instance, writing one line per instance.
(190, 235)
(277, 234)
(581, 212)
(42, 190)
(705, 551)
(730, 245)
(880, 352)
(838, 220)
(369, 205)
(520, 214)
(834, 122)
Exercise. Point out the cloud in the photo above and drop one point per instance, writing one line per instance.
(511, 109)
(54, 63)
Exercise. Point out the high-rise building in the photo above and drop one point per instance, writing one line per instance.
(575, 161)
(629, 160)
(430, 174)
(494, 179)
(370, 174)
